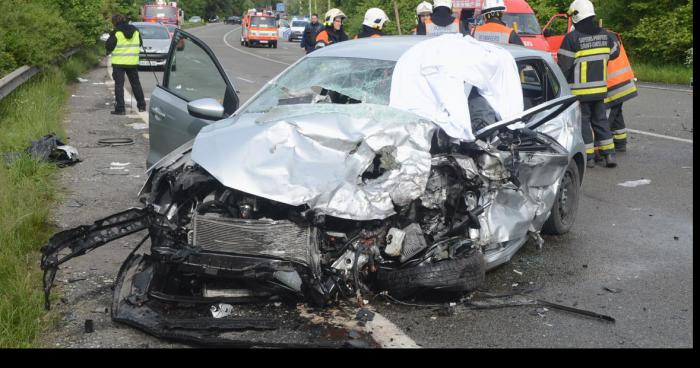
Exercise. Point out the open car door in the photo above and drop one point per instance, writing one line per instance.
(195, 92)
(554, 31)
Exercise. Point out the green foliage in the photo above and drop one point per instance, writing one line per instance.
(664, 37)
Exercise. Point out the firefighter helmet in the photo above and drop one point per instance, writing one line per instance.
(493, 6)
(580, 9)
(375, 18)
(331, 15)
(445, 3)
(424, 8)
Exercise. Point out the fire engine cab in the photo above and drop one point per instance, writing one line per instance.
(259, 28)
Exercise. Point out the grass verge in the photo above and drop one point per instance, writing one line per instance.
(27, 193)
(668, 73)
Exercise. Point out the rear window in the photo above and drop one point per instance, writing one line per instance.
(151, 32)
(263, 22)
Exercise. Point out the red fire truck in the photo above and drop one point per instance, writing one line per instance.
(259, 28)
(162, 12)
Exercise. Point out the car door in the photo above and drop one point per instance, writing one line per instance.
(192, 73)
(555, 30)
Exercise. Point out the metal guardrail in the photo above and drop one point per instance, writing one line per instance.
(22, 74)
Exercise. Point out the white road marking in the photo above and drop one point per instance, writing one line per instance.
(246, 80)
(666, 88)
(249, 53)
(660, 136)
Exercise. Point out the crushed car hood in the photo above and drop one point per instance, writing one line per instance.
(316, 155)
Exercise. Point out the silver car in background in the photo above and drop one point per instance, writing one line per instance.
(156, 44)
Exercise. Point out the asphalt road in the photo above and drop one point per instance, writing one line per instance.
(635, 241)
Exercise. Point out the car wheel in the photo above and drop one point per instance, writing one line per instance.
(565, 204)
(454, 275)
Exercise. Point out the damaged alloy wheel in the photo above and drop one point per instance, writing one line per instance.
(566, 204)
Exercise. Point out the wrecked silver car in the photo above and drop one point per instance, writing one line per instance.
(319, 190)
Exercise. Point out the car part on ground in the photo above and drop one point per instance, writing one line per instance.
(48, 148)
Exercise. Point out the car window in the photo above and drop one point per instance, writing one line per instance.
(299, 23)
(539, 82)
(193, 74)
(527, 22)
(262, 22)
(150, 33)
(329, 80)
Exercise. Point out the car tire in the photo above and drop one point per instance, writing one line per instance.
(455, 275)
(565, 204)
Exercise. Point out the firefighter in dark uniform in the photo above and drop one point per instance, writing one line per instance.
(373, 23)
(333, 31)
(442, 21)
(124, 44)
(583, 57)
(621, 87)
(494, 29)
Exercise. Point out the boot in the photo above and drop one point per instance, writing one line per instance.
(620, 147)
(610, 161)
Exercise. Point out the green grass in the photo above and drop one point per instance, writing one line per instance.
(27, 194)
(668, 73)
(187, 25)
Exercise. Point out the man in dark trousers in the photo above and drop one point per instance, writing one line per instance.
(308, 38)
(583, 57)
(124, 43)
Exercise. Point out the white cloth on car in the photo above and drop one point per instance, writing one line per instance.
(433, 79)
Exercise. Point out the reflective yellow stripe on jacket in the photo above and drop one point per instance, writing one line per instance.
(127, 50)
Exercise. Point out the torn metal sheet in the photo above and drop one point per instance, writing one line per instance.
(316, 155)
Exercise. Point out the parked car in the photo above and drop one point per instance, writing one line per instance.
(318, 190)
(156, 43)
(195, 19)
(214, 19)
(297, 29)
(232, 20)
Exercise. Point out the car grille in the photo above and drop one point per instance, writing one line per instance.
(281, 239)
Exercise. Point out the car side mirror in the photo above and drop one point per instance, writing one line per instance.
(206, 108)
(547, 32)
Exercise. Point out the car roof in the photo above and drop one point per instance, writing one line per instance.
(142, 24)
(392, 47)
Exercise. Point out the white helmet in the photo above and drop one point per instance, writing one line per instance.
(424, 7)
(375, 18)
(580, 9)
(332, 14)
(446, 3)
(493, 6)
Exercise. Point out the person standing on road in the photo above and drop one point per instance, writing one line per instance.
(373, 23)
(621, 87)
(308, 38)
(442, 21)
(333, 31)
(124, 43)
(423, 11)
(583, 57)
(494, 29)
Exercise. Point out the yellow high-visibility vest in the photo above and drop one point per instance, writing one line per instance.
(127, 50)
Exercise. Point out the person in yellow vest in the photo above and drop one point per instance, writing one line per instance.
(424, 11)
(373, 23)
(621, 87)
(494, 29)
(124, 43)
(442, 21)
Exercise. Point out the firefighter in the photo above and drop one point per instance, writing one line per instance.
(423, 12)
(494, 29)
(621, 87)
(583, 57)
(333, 31)
(441, 21)
(373, 23)
(124, 44)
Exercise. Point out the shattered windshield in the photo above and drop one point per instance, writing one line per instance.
(333, 80)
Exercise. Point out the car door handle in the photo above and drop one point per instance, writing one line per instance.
(158, 114)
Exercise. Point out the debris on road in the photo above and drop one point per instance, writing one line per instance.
(611, 289)
(364, 315)
(634, 183)
(115, 142)
(89, 326)
(48, 148)
(221, 310)
(82, 80)
(518, 272)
